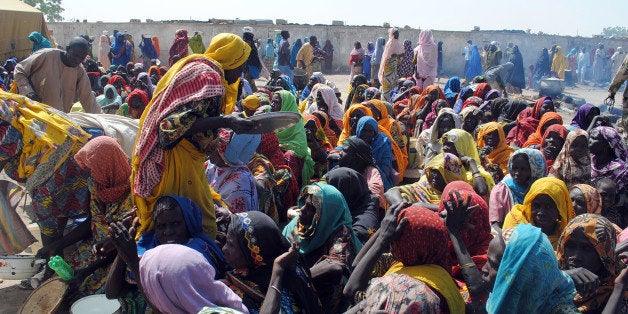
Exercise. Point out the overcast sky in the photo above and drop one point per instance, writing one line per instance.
(574, 17)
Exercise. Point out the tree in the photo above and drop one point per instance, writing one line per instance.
(50, 8)
(616, 31)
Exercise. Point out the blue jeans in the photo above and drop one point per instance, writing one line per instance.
(286, 70)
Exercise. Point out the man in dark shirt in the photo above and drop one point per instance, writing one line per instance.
(284, 56)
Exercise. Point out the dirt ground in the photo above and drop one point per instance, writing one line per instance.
(14, 297)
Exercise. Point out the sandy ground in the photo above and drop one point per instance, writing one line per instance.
(14, 297)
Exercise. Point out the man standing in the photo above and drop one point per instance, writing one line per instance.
(306, 57)
(620, 77)
(57, 78)
(467, 55)
(284, 56)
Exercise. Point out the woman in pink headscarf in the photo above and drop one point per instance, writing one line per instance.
(391, 60)
(426, 59)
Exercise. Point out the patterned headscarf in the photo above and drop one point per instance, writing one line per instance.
(424, 239)
(179, 45)
(618, 168)
(107, 164)
(332, 212)
(568, 169)
(537, 170)
(400, 293)
(197, 80)
(259, 238)
(601, 233)
(528, 279)
(592, 197)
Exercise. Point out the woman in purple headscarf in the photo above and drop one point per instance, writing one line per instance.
(609, 156)
(584, 116)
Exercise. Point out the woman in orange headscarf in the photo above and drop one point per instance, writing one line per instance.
(349, 122)
(492, 141)
(547, 120)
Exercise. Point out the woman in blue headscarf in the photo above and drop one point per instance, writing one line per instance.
(39, 41)
(376, 59)
(119, 55)
(193, 236)
(452, 88)
(517, 76)
(278, 39)
(366, 61)
(293, 53)
(475, 64)
(148, 51)
(368, 130)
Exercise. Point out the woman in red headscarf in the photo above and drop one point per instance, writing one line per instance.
(179, 46)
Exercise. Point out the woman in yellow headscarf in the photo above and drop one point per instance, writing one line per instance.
(460, 143)
(176, 133)
(547, 206)
(560, 63)
(441, 170)
(391, 128)
(350, 120)
(492, 141)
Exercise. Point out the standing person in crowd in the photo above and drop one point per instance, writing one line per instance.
(620, 78)
(583, 64)
(440, 59)
(149, 53)
(306, 56)
(517, 79)
(283, 56)
(56, 77)
(294, 50)
(598, 65)
(104, 45)
(179, 47)
(466, 53)
(366, 63)
(376, 61)
(391, 59)
(426, 59)
(329, 56)
(269, 54)
(559, 63)
(356, 57)
(119, 51)
(253, 66)
(474, 67)
(39, 41)
(406, 69)
(493, 55)
(196, 43)
(542, 67)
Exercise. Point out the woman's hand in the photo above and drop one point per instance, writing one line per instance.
(466, 161)
(286, 260)
(390, 229)
(586, 282)
(458, 211)
(124, 242)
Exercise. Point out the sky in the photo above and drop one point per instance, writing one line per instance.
(560, 17)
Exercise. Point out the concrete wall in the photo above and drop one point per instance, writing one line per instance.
(342, 37)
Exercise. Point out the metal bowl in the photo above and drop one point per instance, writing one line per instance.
(17, 267)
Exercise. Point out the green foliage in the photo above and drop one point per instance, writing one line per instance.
(615, 31)
(50, 8)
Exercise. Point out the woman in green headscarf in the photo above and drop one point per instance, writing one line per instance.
(293, 140)
(196, 43)
(323, 229)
